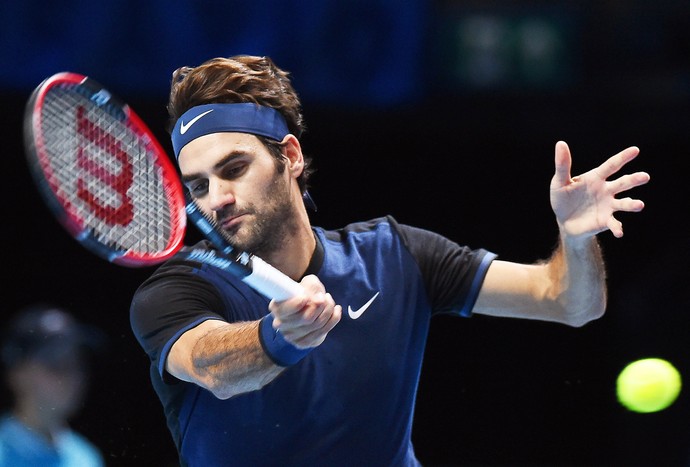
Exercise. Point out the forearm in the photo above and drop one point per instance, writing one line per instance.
(225, 358)
(234, 358)
(568, 288)
(577, 280)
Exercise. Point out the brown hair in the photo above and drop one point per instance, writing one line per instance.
(242, 78)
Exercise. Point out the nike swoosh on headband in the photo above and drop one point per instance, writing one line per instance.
(185, 126)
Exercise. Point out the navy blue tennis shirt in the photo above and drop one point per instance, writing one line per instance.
(348, 402)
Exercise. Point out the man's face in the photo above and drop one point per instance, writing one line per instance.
(235, 180)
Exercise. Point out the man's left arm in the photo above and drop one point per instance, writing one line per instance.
(571, 286)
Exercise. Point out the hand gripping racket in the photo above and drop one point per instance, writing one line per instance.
(108, 181)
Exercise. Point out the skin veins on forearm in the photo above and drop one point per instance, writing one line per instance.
(227, 359)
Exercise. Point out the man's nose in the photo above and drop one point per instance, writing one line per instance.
(220, 194)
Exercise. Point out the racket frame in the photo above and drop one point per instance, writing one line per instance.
(41, 170)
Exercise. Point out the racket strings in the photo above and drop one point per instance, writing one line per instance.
(105, 173)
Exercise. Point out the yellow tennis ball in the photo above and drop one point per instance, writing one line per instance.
(648, 385)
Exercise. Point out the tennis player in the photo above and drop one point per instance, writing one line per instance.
(328, 377)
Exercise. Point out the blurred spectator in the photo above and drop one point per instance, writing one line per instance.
(44, 353)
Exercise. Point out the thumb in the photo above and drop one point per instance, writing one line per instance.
(563, 163)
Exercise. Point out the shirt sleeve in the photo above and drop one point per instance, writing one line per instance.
(452, 274)
(172, 301)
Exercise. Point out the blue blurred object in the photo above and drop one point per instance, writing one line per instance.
(354, 53)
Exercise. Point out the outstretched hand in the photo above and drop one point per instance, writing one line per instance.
(584, 205)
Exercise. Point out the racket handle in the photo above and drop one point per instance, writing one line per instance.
(270, 282)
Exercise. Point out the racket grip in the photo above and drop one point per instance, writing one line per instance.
(270, 282)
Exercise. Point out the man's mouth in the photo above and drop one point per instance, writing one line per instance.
(231, 222)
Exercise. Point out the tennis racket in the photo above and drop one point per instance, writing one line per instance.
(110, 184)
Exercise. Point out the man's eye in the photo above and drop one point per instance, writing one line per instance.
(198, 189)
(234, 171)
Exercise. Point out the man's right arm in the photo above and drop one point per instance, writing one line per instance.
(225, 358)
(228, 358)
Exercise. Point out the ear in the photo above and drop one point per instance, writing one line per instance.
(293, 152)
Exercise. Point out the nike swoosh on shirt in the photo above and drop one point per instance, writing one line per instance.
(184, 127)
(354, 314)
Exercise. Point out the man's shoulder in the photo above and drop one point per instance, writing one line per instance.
(360, 227)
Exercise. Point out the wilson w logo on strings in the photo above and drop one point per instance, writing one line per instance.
(119, 183)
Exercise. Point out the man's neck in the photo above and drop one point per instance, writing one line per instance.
(295, 254)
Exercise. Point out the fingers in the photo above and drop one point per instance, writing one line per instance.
(615, 226)
(563, 163)
(625, 205)
(586, 203)
(305, 321)
(315, 320)
(313, 290)
(626, 182)
(614, 163)
(326, 321)
(628, 205)
(314, 313)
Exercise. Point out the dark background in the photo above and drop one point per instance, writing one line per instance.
(444, 114)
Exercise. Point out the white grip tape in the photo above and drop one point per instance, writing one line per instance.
(270, 282)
